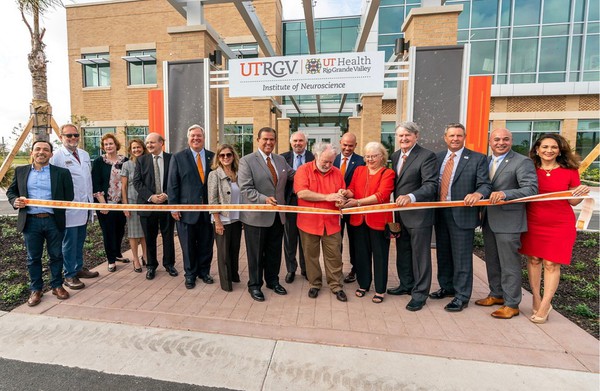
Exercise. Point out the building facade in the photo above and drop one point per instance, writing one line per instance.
(542, 54)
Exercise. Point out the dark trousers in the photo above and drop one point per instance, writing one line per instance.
(292, 244)
(263, 248)
(36, 232)
(345, 222)
(372, 253)
(151, 225)
(196, 242)
(454, 249)
(113, 230)
(228, 254)
(413, 260)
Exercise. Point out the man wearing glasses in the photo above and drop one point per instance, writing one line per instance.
(78, 162)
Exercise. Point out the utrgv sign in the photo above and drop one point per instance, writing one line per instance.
(335, 73)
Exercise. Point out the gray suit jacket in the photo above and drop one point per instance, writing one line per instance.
(471, 176)
(516, 177)
(256, 184)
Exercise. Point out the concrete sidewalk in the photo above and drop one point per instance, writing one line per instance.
(294, 342)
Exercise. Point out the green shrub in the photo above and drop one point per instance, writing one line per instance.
(590, 243)
(580, 266)
(9, 275)
(584, 310)
(12, 293)
(591, 174)
(589, 291)
(478, 240)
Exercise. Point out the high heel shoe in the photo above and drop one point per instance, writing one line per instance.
(540, 319)
(137, 269)
(143, 261)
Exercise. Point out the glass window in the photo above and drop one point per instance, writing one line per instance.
(527, 12)
(483, 34)
(593, 13)
(579, 10)
(526, 132)
(349, 35)
(551, 77)
(503, 56)
(593, 28)
(524, 55)
(388, 136)
(484, 13)
(553, 54)
(141, 67)
(556, 11)
(588, 136)
(558, 29)
(520, 32)
(330, 40)
(292, 42)
(97, 72)
(592, 57)
(391, 19)
(240, 136)
(245, 50)
(464, 17)
(505, 13)
(91, 139)
(482, 57)
(133, 132)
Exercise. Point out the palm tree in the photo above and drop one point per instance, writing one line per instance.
(40, 108)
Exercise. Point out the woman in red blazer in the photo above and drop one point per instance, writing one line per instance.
(371, 184)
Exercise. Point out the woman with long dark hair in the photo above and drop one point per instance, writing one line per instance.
(548, 242)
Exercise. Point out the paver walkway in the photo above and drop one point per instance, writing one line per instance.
(127, 297)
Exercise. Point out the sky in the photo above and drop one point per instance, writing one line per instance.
(15, 78)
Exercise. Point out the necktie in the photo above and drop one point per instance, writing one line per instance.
(200, 168)
(272, 169)
(157, 186)
(76, 155)
(343, 167)
(402, 164)
(298, 162)
(494, 167)
(446, 175)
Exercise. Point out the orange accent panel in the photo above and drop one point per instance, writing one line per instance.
(478, 113)
(156, 112)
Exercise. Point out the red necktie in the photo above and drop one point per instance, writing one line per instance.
(76, 155)
(343, 168)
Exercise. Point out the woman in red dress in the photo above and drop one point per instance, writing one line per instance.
(551, 224)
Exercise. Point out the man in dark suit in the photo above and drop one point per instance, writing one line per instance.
(416, 181)
(347, 161)
(42, 181)
(463, 175)
(291, 237)
(150, 181)
(512, 176)
(188, 173)
(262, 177)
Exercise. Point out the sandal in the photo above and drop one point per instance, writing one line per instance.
(112, 267)
(360, 292)
(377, 299)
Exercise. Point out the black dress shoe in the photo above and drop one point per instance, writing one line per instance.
(150, 273)
(415, 305)
(441, 293)
(456, 305)
(256, 294)
(190, 282)
(277, 288)
(172, 271)
(289, 278)
(351, 277)
(207, 279)
(398, 291)
(313, 293)
(341, 296)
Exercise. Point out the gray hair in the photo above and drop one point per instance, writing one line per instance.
(319, 148)
(195, 126)
(410, 127)
(374, 145)
(298, 132)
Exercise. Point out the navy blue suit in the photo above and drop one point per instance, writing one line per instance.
(455, 227)
(193, 228)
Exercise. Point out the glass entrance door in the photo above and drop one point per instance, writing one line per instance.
(322, 134)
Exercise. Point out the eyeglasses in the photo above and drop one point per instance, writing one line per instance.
(369, 157)
(225, 155)
(71, 135)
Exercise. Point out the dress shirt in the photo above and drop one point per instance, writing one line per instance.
(202, 156)
(498, 159)
(301, 161)
(399, 167)
(264, 156)
(39, 188)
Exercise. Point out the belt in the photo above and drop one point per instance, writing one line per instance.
(40, 215)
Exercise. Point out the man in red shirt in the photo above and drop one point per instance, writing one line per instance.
(317, 184)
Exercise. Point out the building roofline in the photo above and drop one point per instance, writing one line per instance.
(77, 5)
